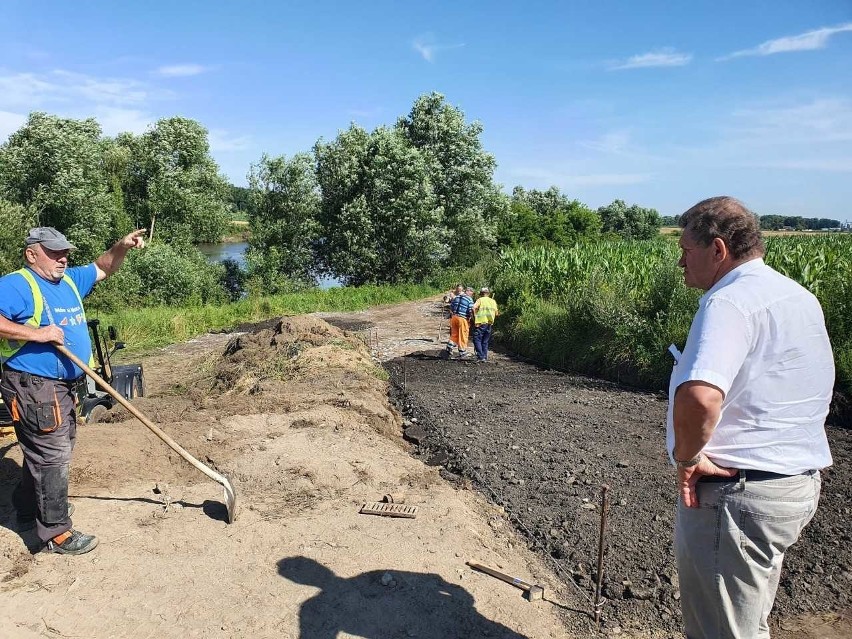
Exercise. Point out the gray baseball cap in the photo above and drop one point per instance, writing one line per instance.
(49, 238)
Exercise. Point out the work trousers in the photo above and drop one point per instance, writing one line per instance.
(459, 333)
(481, 341)
(729, 551)
(45, 421)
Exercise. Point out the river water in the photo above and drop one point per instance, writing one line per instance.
(237, 251)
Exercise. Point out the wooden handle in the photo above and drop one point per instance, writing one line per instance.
(212, 474)
(509, 579)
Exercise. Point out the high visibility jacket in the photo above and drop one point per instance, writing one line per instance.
(8, 347)
(485, 311)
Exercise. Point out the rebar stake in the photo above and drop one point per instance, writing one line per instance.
(604, 509)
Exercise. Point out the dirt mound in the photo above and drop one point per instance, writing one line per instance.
(298, 373)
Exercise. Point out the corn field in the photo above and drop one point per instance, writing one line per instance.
(611, 308)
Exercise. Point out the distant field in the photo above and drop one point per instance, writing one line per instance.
(675, 230)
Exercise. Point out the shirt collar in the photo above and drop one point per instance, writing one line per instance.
(730, 276)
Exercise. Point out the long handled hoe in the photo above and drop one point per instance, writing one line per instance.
(230, 495)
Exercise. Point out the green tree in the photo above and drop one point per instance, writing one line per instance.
(173, 184)
(15, 221)
(631, 222)
(379, 216)
(285, 202)
(460, 172)
(546, 217)
(54, 166)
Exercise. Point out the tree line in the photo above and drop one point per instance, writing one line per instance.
(779, 222)
(395, 204)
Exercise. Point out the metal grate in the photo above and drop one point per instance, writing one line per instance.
(389, 510)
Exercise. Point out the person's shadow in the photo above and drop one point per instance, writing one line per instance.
(387, 605)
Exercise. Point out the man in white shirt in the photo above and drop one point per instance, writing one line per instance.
(748, 399)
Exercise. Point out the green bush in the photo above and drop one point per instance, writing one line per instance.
(161, 274)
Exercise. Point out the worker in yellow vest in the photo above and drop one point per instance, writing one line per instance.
(42, 305)
(484, 313)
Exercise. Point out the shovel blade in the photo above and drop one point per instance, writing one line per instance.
(230, 499)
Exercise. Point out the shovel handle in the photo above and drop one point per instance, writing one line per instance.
(502, 576)
(212, 474)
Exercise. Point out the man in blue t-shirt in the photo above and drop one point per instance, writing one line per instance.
(41, 306)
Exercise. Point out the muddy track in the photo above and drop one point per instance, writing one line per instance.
(541, 443)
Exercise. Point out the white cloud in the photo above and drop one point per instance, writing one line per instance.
(665, 57)
(33, 91)
(221, 140)
(808, 41)
(812, 135)
(9, 123)
(427, 47)
(820, 120)
(111, 90)
(181, 70)
(118, 104)
(24, 89)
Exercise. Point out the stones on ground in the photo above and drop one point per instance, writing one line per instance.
(415, 433)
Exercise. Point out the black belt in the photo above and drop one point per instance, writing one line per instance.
(750, 475)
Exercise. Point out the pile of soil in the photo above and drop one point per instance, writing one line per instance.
(542, 443)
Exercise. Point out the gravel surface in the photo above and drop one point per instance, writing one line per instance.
(542, 443)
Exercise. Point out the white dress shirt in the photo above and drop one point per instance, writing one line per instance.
(760, 338)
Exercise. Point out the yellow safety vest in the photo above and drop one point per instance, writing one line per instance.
(486, 311)
(9, 347)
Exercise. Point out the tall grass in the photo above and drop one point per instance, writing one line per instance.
(612, 308)
(146, 328)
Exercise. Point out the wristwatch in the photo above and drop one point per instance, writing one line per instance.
(688, 463)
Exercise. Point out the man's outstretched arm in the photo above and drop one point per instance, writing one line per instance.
(112, 259)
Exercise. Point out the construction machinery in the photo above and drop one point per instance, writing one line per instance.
(127, 379)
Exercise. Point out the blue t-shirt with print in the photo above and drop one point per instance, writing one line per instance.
(60, 302)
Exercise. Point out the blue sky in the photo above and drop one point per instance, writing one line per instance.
(658, 103)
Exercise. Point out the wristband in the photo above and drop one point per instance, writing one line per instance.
(688, 463)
